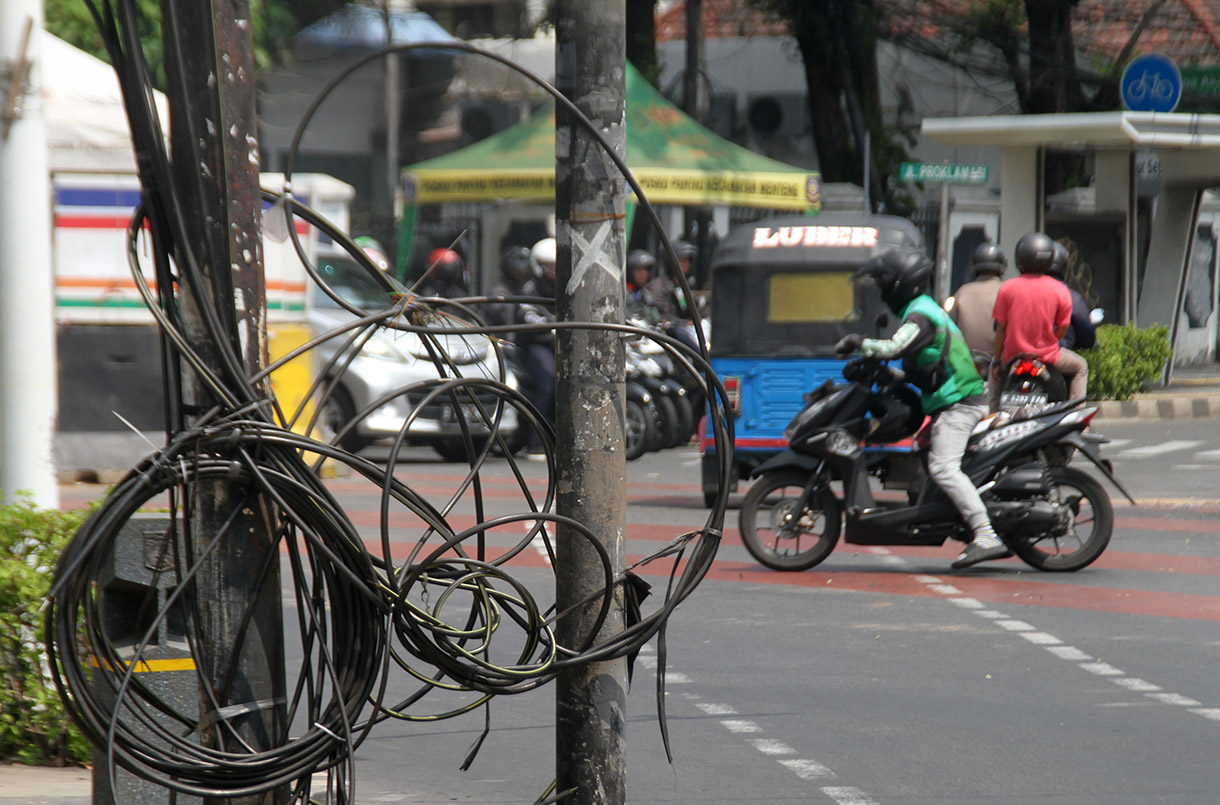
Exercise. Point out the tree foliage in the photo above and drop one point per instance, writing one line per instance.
(837, 40)
(274, 23)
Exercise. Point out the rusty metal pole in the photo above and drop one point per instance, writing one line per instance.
(213, 138)
(590, 700)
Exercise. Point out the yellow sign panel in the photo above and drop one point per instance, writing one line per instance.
(796, 191)
(810, 297)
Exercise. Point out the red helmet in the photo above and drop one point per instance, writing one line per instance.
(447, 266)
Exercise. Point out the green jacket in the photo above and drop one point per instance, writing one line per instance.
(964, 380)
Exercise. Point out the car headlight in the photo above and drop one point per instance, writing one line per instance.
(381, 349)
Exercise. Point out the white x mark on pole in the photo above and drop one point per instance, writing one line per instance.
(592, 254)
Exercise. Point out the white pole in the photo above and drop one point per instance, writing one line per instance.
(942, 276)
(28, 397)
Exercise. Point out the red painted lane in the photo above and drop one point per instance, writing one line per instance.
(1003, 592)
(1190, 525)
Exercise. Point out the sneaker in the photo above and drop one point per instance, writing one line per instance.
(975, 553)
(534, 454)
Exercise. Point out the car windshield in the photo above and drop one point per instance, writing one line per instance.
(351, 281)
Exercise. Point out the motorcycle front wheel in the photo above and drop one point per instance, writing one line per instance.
(777, 534)
(1091, 521)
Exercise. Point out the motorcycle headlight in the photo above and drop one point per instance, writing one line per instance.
(841, 443)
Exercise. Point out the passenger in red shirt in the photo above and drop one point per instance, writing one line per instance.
(1032, 312)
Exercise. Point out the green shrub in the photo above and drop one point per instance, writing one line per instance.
(1125, 358)
(34, 728)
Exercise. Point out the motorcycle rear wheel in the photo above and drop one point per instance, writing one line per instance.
(1088, 534)
(776, 535)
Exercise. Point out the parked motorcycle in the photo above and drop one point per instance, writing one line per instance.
(1055, 517)
(1028, 382)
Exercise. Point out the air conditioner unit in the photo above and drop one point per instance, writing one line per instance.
(778, 114)
(482, 117)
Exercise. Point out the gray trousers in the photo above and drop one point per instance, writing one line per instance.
(950, 431)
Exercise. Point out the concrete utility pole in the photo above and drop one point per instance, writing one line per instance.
(590, 701)
(28, 394)
(213, 135)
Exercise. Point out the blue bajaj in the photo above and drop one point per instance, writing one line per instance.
(782, 295)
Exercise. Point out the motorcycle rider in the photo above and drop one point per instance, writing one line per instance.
(445, 277)
(538, 346)
(972, 306)
(974, 300)
(1081, 334)
(640, 303)
(936, 359)
(1032, 311)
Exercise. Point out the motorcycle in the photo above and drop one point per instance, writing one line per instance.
(1027, 381)
(1055, 517)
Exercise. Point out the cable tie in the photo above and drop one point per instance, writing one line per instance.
(234, 472)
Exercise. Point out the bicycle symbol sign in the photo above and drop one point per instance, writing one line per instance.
(1151, 83)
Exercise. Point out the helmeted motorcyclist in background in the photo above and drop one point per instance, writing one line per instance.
(1081, 333)
(935, 358)
(670, 301)
(445, 276)
(538, 346)
(639, 303)
(516, 279)
(1032, 312)
(972, 306)
(974, 300)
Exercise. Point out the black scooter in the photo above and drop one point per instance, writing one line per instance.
(1053, 516)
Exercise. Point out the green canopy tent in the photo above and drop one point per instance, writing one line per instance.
(675, 160)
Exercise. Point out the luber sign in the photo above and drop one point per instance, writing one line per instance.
(766, 237)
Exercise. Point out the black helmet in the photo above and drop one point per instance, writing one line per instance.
(1059, 263)
(989, 259)
(684, 248)
(640, 258)
(1034, 253)
(900, 275)
(515, 263)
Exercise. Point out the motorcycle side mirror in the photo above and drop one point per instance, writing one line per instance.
(1097, 315)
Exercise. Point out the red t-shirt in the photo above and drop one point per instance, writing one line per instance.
(1032, 307)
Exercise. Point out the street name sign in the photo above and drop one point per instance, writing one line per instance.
(943, 172)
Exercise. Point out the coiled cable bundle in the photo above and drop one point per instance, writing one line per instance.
(454, 599)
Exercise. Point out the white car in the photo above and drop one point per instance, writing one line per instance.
(396, 366)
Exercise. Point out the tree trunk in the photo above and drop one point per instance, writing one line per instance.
(1054, 85)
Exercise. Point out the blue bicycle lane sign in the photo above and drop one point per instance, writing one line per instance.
(1151, 83)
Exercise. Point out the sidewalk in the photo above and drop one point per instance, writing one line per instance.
(1192, 392)
(44, 785)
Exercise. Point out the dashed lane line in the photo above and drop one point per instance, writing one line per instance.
(1057, 647)
(753, 734)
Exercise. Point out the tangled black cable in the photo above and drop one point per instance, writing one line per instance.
(455, 617)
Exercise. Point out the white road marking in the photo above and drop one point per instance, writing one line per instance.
(806, 769)
(1210, 454)
(1135, 683)
(845, 795)
(740, 725)
(1159, 449)
(713, 709)
(1068, 653)
(770, 746)
(1101, 668)
(1015, 626)
(1056, 647)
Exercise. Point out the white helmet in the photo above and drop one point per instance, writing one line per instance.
(544, 251)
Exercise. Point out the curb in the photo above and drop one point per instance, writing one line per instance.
(1160, 408)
